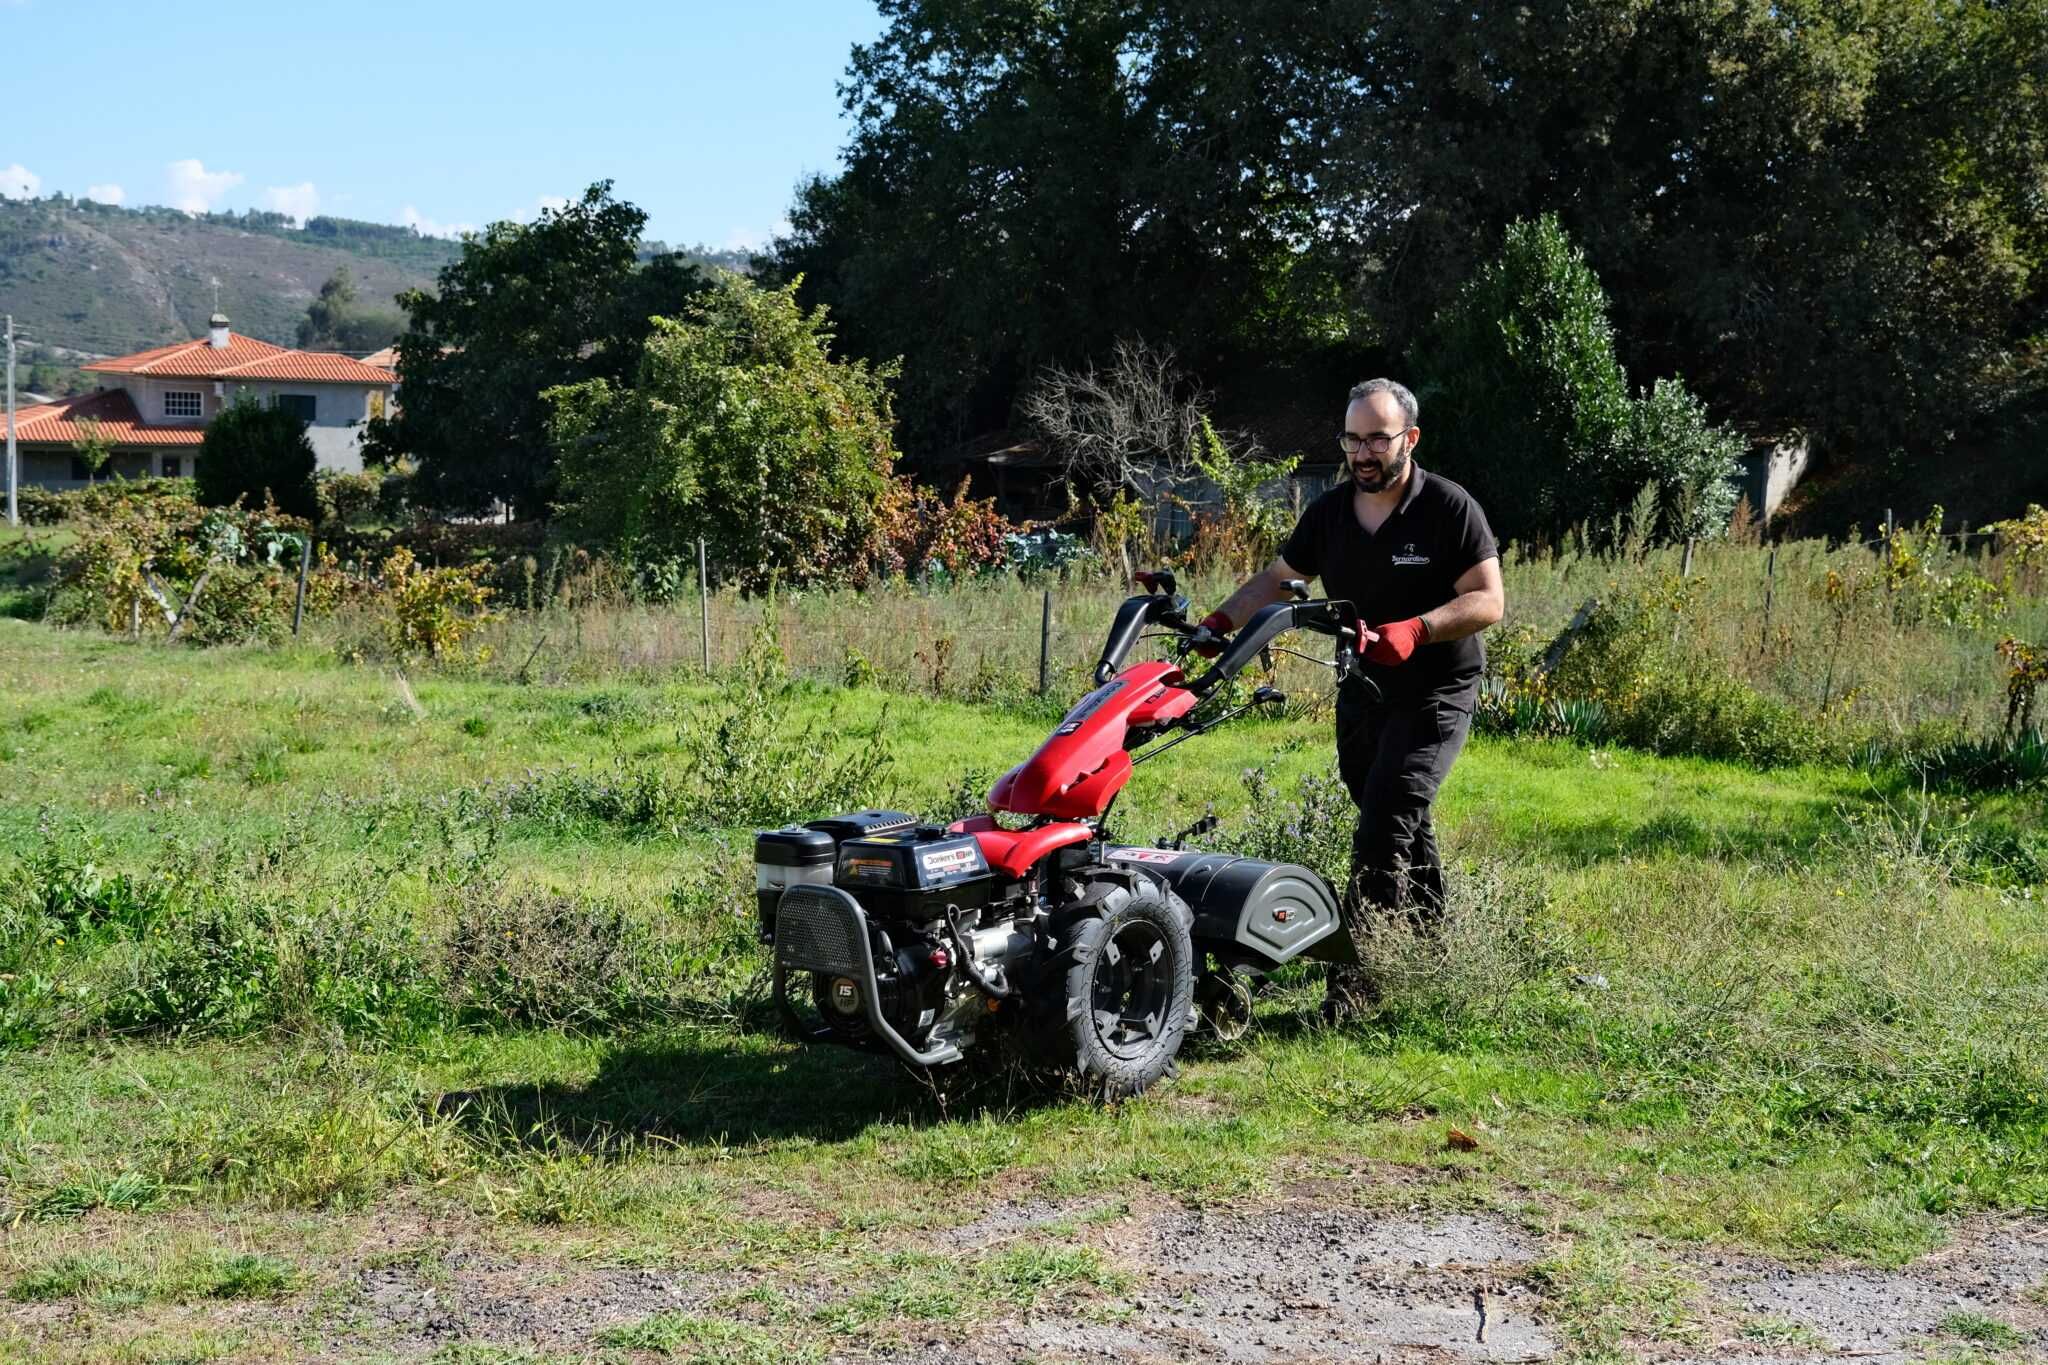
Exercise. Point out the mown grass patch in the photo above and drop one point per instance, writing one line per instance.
(512, 974)
(110, 1280)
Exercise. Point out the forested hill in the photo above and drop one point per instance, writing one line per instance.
(93, 278)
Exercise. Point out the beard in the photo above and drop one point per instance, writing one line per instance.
(1374, 476)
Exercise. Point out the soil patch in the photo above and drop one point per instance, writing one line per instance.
(1294, 1285)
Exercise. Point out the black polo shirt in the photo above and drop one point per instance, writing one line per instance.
(1407, 567)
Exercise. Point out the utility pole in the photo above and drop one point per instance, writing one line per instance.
(13, 514)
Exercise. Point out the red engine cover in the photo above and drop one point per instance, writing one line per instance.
(1075, 774)
(1013, 852)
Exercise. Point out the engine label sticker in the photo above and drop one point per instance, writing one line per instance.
(870, 869)
(944, 860)
(1144, 855)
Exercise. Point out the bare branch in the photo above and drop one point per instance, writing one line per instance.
(1130, 424)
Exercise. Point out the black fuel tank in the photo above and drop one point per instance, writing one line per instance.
(1264, 913)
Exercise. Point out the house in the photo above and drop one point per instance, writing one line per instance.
(152, 407)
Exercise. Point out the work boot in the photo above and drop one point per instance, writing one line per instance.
(1348, 993)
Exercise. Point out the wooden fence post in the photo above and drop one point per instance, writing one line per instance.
(1770, 589)
(305, 565)
(703, 607)
(1045, 644)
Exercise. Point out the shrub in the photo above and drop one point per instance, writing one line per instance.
(1624, 678)
(348, 499)
(740, 427)
(919, 534)
(142, 551)
(254, 454)
(1313, 829)
(431, 611)
(528, 957)
(1537, 417)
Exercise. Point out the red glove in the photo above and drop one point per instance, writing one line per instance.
(1218, 625)
(1396, 641)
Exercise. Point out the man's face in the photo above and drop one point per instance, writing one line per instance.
(1374, 424)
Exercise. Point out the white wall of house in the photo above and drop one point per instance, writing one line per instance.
(335, 429)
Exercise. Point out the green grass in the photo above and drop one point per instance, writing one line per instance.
(106, 1278)
(1979, 1329)
(705, 1341)
(272, 945)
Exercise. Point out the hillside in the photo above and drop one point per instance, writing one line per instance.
(103, 280)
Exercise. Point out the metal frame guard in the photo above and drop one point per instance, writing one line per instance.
(823, 929)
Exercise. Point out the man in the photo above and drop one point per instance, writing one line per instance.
(1412, 551)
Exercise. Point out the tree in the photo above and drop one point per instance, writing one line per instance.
(252, 452)
(335, 321)
(1025, 184)
(1828, 214)
(529, 307)
(1131, 425)
(737, 426)
(92, 448)
(1528, 404)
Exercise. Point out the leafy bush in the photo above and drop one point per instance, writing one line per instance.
(918, 534)
(1245, 532)
(347, 499)
(1536, 414)
(47, 506)
(142, 552)
(1313, 829)
(739, 427)
(1704, 712)
(431, 611)
(527, 957)
(254, 454)
(1624, 679)
(1487, 975)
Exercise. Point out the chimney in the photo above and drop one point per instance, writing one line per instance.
(217, 331)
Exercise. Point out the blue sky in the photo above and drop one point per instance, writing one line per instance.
(443, 113)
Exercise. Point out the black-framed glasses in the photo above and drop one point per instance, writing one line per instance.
(1378, 442)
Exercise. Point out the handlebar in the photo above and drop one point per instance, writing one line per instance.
(1161, 606)
(1332, 617)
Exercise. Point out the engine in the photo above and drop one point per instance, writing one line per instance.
(935, 918)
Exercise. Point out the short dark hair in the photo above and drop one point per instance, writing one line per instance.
(1410, 409)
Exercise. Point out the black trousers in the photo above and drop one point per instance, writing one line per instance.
(1393, 756)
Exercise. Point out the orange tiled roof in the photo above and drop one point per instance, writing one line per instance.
(62, 422)
(243, 358)
(386, 359)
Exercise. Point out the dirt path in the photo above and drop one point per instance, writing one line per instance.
(1294, 1281)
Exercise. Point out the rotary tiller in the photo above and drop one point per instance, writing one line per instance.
(1030, 927)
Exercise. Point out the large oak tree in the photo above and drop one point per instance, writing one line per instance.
(528, 307)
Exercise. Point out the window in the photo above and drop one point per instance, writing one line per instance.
(173, 467)
(79, 470)
(299, 405)
(180, 404)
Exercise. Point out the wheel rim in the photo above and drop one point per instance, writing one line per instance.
(1227, 1006)
(1133, 983)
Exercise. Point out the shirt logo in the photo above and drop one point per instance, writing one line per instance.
(1407, 558)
